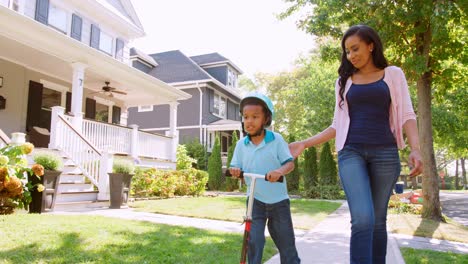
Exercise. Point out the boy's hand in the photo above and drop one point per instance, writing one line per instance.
(235, 172)
(274, 176)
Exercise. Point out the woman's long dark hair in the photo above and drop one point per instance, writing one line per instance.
(346, 69)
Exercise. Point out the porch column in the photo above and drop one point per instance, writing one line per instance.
(134, 141)
(77, 94)
(173, 129)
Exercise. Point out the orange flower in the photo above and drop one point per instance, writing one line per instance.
(14, 186)
(38, 169)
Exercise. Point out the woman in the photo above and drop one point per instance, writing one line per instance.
(372, 109)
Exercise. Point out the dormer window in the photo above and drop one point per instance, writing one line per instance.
(232, 78)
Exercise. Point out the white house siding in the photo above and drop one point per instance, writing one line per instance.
(13, 117)
(4, 3)
(30, 11)
(30, 8)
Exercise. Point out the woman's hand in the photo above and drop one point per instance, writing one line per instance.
(415, 163)
(296, 148)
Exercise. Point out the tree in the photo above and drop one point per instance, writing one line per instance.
(327, 167)
(197, 151)
(310, 168)
(231, 184)
(293, 177)
(215, 171)
(424, 37)
(183, 160)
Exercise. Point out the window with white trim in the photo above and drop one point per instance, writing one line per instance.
(145, 108)
(219, 106)
(232, 78)
(57, 18)
(105, 42)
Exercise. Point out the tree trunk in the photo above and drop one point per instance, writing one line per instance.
(430, 184)
(462, 163)
(456, 175)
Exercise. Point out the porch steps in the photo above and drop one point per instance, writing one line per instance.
(74, 187)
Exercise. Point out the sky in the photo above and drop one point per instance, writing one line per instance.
(247, 32)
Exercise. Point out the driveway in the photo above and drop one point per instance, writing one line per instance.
(455, 206)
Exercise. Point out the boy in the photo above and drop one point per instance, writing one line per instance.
(265, 152)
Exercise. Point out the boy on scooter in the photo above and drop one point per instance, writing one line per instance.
(263, 151)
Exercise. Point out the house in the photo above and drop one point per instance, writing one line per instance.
(210, 79)
(66, 81)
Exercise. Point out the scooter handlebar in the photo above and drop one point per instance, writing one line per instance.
(253, 175)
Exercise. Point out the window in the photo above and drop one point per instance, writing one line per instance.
(219, 106)
(145, 108)
(232, 78)
(102, 112)
(58, 18)
(105, 43)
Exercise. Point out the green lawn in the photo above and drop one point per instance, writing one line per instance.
(305, 213)
(46, 238)
(415, 256)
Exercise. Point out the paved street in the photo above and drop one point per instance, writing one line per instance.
(455, 206)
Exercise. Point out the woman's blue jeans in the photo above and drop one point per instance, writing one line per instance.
(281, 231)
(368, 174)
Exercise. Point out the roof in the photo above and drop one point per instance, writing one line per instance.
(134, 52)
(213, 59)
(224, 124)
(174, 66)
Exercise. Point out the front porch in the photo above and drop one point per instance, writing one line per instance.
(55, 83)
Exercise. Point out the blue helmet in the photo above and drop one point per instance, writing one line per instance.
(264, 101)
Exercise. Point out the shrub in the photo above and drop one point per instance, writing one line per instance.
(123, 166)
(328, 192)
(198, 152)
(327, 167)
(294, 176)
(398, 207)
(231, 184)
(215, 170)
(48, 160)
(168, 183)
(184, 161)
(310, 168)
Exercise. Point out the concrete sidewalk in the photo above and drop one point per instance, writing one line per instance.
(328, 242)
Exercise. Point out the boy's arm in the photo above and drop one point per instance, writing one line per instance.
(286, 168)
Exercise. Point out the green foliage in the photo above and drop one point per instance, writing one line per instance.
(231, 184)
(123, 166)
(215, 171)
(184, 161)
(197, 151)
(310, 168)
(328, 192)
(168, 183)
(292, 179)
(327, 167)
(398, 207)
(49, 160)
(309, 88)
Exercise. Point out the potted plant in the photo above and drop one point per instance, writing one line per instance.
(14, 187)
(119, 182)
(45, 179)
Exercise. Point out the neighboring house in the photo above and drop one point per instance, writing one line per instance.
(210, 79)
(55, 59)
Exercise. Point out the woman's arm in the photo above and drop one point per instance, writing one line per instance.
(414, 159)
(298, 147)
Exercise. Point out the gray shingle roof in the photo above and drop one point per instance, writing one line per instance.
(208, 58)
(174, 66)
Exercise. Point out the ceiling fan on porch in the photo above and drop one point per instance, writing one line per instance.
(108, 90)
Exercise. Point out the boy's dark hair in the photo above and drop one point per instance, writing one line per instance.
(256, 101)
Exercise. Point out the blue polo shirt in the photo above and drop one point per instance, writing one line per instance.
(269, 155)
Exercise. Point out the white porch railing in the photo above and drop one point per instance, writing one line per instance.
(154, 146)
(4, 139)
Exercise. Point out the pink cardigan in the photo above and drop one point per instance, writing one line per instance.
(401, 108)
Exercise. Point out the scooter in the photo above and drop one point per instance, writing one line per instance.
(248, 216)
